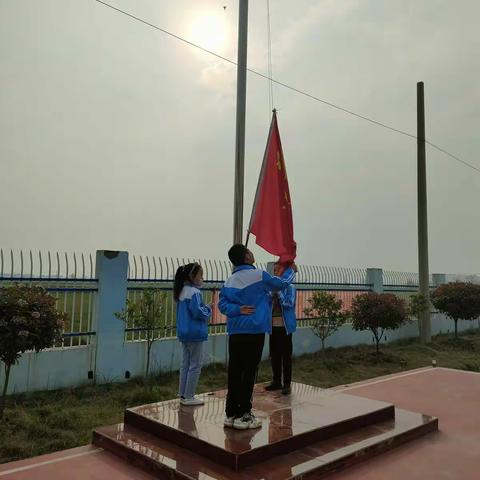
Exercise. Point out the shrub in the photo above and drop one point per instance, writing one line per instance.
(326, 312)
(378, 312)
(458, 300)
(28, 321)
(147, 314)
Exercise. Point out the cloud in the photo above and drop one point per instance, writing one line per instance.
(121, 137)
(220, 79)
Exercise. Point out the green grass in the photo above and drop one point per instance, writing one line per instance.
(44, 422)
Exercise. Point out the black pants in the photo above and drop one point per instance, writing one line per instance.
(281, 348)
(245, 353)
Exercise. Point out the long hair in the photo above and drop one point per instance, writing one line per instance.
(185, 273)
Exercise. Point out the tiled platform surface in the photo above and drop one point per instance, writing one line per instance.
(453, 453)
(312, 430)
(166, 460)
(292, 422)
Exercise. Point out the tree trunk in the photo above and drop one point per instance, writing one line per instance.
(456, 328)
(149, 348)
(377, 339)
(4, 394)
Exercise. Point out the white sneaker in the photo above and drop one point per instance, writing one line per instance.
(191, 402)
(247, 421)
(229, 421)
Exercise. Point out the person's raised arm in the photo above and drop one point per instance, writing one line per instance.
(275, 284)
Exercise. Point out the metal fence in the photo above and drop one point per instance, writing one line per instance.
(403, 284)
(153, 268)
(402, 279)
(158, 272)
(71, 279)
(167, 328)
(68, 277)
(458, 277)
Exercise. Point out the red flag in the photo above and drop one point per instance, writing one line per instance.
(272, 222)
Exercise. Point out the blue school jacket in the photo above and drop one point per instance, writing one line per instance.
(192, 315)
(251, 286)
(287, 299)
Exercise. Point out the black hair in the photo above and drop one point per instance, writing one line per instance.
(185, 273)
(237, 253)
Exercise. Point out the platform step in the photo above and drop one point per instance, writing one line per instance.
(290, 423)
(168, 460)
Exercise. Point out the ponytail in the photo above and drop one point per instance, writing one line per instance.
(184, 273)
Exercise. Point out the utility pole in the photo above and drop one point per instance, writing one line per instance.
(424, 287)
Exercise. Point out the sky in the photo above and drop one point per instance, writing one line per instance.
(116, 136)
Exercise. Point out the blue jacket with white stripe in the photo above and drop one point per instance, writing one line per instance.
(192, 315)
(287, 299)
(251, 286)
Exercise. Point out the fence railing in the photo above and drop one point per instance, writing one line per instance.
(76, 299)
(40, 265)
(71, 279)
(167, 329)
(68, 277)
(211, 294)
(402, 279)
(153, 268)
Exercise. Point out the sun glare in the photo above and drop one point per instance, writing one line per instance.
(209, 31)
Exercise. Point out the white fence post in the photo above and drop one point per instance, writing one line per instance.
(375, 278)
(111, 272)
(439, 279)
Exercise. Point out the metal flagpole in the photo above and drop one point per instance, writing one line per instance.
(240, 122)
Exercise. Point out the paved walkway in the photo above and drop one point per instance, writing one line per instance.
(454, 452)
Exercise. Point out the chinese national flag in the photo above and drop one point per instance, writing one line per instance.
(272, 222)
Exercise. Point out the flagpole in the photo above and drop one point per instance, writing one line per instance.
(240, 122)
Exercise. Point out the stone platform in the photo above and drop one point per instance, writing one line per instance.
(309, 433)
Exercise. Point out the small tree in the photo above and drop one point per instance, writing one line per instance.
(147, 315)
(418, 304)
(28, 321)
(458, 300)
(326, 311)
(378, 312)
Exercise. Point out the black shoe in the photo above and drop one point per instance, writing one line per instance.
(286, 390)
(273, 386)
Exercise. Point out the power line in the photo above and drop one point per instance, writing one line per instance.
(440, 149)
(289, 87)
(177, 37)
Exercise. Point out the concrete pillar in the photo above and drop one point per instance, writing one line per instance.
(439, 279)
(111, 272)
(375, 278)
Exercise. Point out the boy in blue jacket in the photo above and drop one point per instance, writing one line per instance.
(284, 323)
(245, 300)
